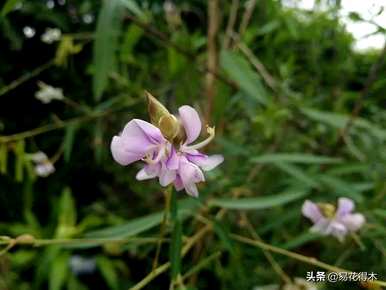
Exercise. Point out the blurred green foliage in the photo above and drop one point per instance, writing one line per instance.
(285, 91)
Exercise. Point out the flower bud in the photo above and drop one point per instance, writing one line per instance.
(156, 109)
(25, 239)
(160, 117)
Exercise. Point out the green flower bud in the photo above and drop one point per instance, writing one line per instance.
(160, 117)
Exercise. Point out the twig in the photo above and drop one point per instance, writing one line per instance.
(276, 267)
(296, 256)
(371, 78)
(231, 23)
(189, 56)
(25, 78)
(249, 8)
(212, 60)
(267, 77)
(161, 269)
(56, 126)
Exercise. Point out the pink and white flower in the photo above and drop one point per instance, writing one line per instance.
(328, 221)
(180, 164)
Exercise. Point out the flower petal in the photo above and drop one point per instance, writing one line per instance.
(190, 174)
(166, 176)
(191, 189)
(191, 122)
(322, 227)
(338, 230)
(137, 128)
(210, 162)
(312, 211)
(137, 138)
(172, 161)
(353, 221)
(345, 206)
(178, 185)
(148, 172)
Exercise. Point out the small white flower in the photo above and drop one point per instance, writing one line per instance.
(29, 32)
(48, 93)
(51, 35)
(43, 166)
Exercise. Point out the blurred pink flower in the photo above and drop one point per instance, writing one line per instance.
(328, 221)
(180, 164)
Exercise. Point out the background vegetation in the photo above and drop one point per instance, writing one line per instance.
(299, 114)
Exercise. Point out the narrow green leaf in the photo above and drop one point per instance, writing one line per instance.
(261, 202)
(301, 240)
(8, 6)
(20, 159)
(298, 174)
(133, 7)
(105, 45)
(67, 215)
(340, 187)
(58, 272)
(108, 272)
(381, 213)
(241, 72)
(295, 158)
(3, 158)
(340, 121)
(138, 225)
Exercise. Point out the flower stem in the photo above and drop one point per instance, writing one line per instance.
(164, 223)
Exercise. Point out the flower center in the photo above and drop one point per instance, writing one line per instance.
(328, 210)
(162, 152)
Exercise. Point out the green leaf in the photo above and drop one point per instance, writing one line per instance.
(241, 72)
(261, 202)
(301, 240)
(133, 7)
(67, 215)
(69, 140)
(340, 121)
(340, 187)
(20, 159)
(105, 45)
(3, 158)
(108, 272)
(294, 158)
(138, 225)
(8, 6)
(298, 174)
(58, 272)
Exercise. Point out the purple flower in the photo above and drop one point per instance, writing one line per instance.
(330, 221)
(171, 157)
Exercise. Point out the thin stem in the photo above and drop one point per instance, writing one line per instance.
(164, 267)
(56, 126)
(26, 77)
(212, 59)
(167, 194)
(296, 256)
(276, 267)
